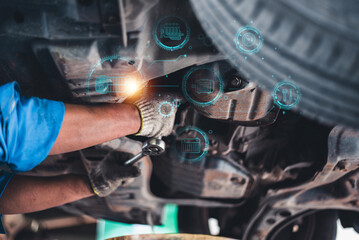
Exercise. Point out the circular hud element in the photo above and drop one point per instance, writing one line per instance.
(248, 40)
(191, 143)
(202, 86)
(286, 95)
(171, 33)
(165, 109)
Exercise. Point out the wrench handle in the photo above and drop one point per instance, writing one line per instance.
(134, 159)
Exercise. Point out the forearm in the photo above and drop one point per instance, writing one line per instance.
(85, 126)
(28, 194)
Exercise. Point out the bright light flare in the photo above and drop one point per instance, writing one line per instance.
(131, 85)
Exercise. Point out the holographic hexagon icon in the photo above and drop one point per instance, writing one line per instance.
(171, 33)
(248, 40)
(286, 95)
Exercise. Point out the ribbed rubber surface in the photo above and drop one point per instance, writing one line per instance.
(314, 42)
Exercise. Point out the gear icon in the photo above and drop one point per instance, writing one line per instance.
(165, 109)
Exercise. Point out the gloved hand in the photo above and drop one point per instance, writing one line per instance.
(108, 175)
(157, 114)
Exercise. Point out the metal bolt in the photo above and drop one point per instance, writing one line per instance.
(236, 81)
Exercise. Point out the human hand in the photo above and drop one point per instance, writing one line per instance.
(107, 176)
(157, 114)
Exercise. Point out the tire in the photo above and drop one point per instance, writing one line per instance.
(321, 225)
(314, 44)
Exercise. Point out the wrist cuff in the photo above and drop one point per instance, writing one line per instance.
(147, 115)
(141, 119)
(95, 192)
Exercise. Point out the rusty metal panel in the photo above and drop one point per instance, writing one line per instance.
(250, 106)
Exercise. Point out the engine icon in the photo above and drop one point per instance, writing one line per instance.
(248, 40)
(191, 145)
(286, 95)
(171, 31)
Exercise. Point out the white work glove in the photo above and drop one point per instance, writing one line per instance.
(157, 114)
(108, 175)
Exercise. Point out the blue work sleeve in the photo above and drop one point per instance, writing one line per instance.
(29, 128)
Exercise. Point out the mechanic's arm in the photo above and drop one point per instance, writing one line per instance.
(85, 126)
(28, 194)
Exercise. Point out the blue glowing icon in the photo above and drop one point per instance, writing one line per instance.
(111, 84)
(176, 102)
(204, 86)
(171, 31)
(286, 95)
(101, 85)
(203, 80)
(165, 109)
(122, 78)
(191, 145)
(248, 40)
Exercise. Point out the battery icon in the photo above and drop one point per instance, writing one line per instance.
(191, 145)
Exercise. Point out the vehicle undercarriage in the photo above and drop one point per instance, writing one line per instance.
(267, 173)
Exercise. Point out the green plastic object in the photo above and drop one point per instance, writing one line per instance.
(108, 229)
